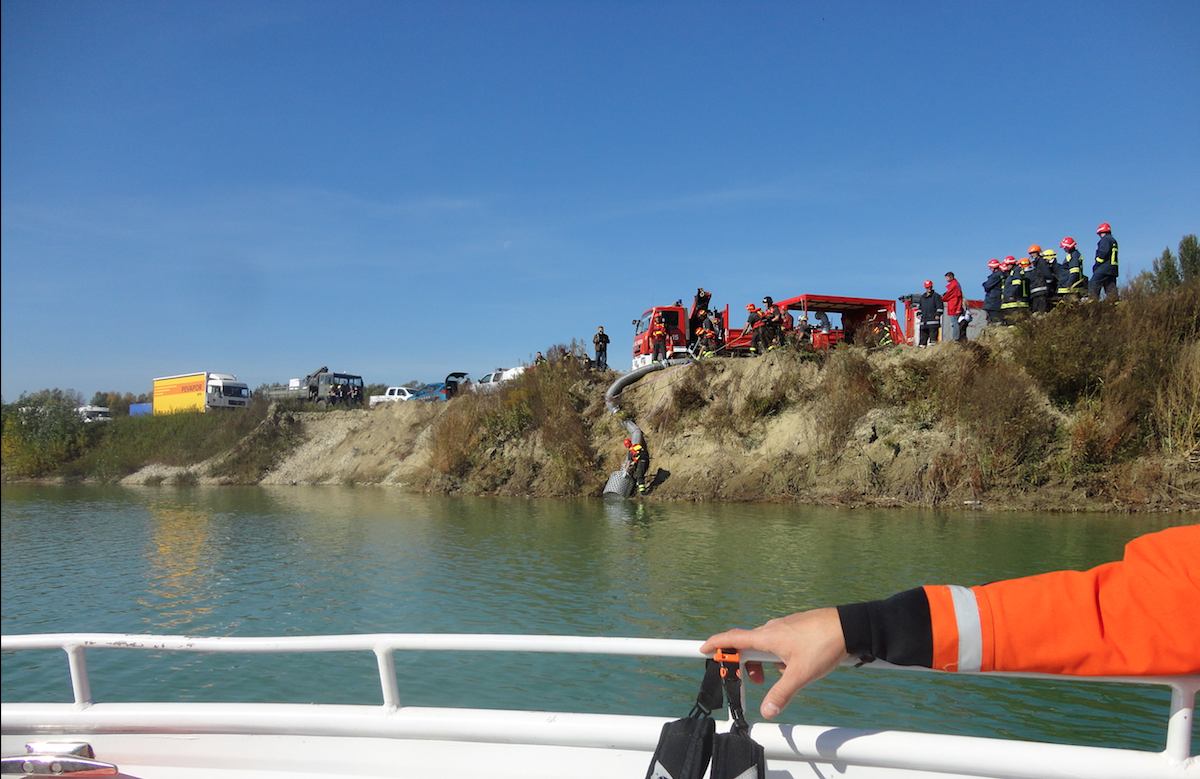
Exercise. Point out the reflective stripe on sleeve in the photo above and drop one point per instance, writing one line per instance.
(970, 635)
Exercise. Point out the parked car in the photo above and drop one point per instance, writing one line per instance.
(94, 413)
(393, 395)
(490, 381)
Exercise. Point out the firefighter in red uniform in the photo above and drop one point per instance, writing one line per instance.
(1125, 618)
(658, 339)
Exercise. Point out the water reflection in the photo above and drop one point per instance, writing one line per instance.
(178, 568)
(289, 560)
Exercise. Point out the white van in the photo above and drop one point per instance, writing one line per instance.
(489, 381)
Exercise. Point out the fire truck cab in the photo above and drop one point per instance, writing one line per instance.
(676, 320)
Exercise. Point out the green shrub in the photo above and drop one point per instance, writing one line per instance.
(42, 431)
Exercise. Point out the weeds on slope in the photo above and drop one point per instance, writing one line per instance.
(540, 411)
(1126, 371)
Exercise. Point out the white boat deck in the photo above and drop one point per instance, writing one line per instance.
(155, 740)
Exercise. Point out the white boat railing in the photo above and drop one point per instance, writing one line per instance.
(384, 645)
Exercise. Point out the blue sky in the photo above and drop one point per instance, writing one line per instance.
(403, 189)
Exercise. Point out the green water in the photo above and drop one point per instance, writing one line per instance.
(297, 561)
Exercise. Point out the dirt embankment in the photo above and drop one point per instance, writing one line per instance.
(1056, 415)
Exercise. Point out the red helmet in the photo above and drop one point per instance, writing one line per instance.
(749, 306)
(1033, 247)
(993, 263)
(1067, 243)
(928, 284)
(628, 442)
(1103, 227)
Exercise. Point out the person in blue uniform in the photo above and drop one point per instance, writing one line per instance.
(1104, 268)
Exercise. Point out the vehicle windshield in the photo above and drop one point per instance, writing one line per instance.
(235, 391)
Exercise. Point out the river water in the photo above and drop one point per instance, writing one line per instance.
(302, 561)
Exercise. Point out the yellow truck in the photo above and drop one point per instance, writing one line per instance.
(199, 392)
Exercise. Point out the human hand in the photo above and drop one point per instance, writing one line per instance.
(810, 644)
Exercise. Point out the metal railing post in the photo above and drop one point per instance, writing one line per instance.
(1179, 725)
(80, 686)
(387, 677)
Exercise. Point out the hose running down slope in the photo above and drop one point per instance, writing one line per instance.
(620, 484)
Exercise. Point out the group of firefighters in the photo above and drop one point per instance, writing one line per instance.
(1036, 283)
(1016, 288)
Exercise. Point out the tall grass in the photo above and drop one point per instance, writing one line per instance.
(848, 389)
(130, 443)
(538, 415)
(1124, 368)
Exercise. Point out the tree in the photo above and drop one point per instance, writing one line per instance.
(42, 432)
(1189, 258)
(1166, 272)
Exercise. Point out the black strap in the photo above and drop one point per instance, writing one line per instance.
(686, 745)
(731, 680)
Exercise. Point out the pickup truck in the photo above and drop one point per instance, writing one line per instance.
(392, 395)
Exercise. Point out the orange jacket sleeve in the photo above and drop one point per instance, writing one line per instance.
(1138, 616)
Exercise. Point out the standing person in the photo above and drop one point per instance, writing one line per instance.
(1104, 269)
(772, 323)
(714, 324)
(600, 341)
(637, 462)
(538, 359)
(953, 299)
(1051, 269)
(1014, 298)
(1039, 282)
(754, 323)
(929, 312)
(699, 308)
(992, 286)
(1072, 283)
(658, 339)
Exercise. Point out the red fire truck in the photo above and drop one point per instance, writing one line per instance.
(680, 338)
(864, 321)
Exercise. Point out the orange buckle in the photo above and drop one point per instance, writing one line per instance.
(724, 656)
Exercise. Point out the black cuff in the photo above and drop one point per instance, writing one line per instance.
(896, 630)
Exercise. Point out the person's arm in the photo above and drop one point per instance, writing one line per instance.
(1129, 618)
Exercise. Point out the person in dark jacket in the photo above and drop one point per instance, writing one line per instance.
(1072, 283)
(1104, 269)
(1014, 298)
(600, 340)
(772, 323)
(1050, 258)
(714, 324)
(1039, 281)
(929, 310)
(991, 292)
